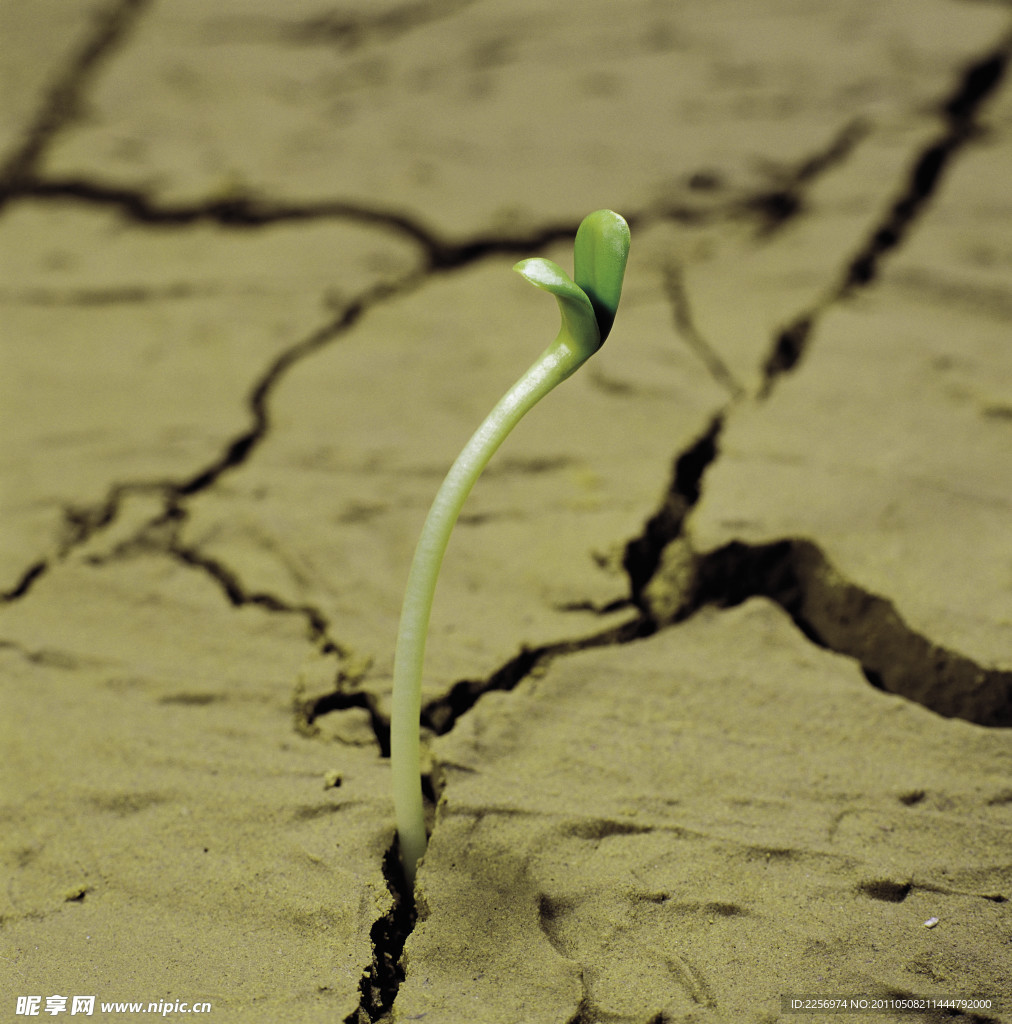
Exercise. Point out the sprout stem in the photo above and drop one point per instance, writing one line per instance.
(410, 651)
(579, 337)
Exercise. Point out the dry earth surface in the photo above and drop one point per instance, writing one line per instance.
(719, 690)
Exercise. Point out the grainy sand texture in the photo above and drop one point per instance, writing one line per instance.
(718, 699)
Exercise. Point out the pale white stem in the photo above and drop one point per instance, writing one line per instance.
(555, 364)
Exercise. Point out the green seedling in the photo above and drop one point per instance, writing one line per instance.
(588, 306)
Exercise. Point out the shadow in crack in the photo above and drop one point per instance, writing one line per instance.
(843, 617)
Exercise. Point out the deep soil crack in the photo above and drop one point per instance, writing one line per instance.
(236, 211)
(643, 554)
(63, 101)
(380, 983)
(440, 715)
(830, 611)
(960, 113)
(775, 207)
(81, 523)
(253, 211)
(669, 581)
(24, 583)
(240, 448)
(842, 617)
(344, 696)
(317, 626)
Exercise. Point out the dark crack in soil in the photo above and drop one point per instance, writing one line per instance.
(381, 981)
(840, 616)
(64, 99)
(960, 113)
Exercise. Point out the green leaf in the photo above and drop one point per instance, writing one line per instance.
(599, 258)
(578, 318)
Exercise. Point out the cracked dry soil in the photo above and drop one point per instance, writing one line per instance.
(719, 685)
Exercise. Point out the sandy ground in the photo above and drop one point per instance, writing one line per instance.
(719, 690)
